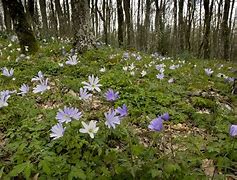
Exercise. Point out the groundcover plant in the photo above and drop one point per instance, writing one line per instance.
(114, 114)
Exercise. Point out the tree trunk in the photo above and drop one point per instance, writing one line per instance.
(23, 30)
(128, 21)
(226, 30)
(181, 25)
(147, 25)
(120, 22)
(83, 38)
(60, 17)
(53, 19)
(7, 17)
(207, 23)
(42, 4)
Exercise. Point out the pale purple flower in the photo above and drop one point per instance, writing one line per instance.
(110, 95)
(165, 116)
(67, 114)
(233, 130)
(93, 84)
(160, 66)
(72, 60)
(156, 124)
(4, 96)
(208, 71)
(40, 77)
(138, 58)
(111, 119)
(24, 89)
(90, 128)
(160, 76)
(125, 55)
(6, 72)
(42, 87)
(84, 95)
(173, 67)
(122, 111)
(57, 131)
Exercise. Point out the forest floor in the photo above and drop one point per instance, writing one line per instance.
(193, 144)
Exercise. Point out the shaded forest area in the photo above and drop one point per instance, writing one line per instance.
(200, 28)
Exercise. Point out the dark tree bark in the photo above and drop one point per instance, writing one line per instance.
(7, 17)
(226, 30)
(61, 20)
(23, 30)
(147, 25)
(120, 22)
(175, 28)
(83, 37)
(181, 25)
(128, 21)
(53, 24)
(207, 23)
(42, 4)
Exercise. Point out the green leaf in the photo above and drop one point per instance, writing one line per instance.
(27, 171)
(1, 172)
(18, 169)
(46, 166)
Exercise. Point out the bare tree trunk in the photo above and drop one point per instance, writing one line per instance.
(23, 30)
(120, 22)
(147, 25)
(7, 17)
(60, 17)
(207, 22)
(226, 30)
(53, 19)
(181, 25)
(42, 4)
(128, 21)
(83, 38)
(175, 28)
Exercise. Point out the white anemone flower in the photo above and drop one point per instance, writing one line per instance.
(90, 128)
(72, 60)
(84, 95)
(42, 87)
(93, 83)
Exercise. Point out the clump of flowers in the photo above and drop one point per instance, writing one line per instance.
(68, 114)
(43, 83)
(84, 95)
(57, 131)
(93, 83)
(24, 89)
(42, 87)
(233, 130)
(90, 128)
(111, 95)
(157, 123)
(6, 72)
(4, 96)
(122, 111)
(111, 119)
(72, 60)
(208, 71)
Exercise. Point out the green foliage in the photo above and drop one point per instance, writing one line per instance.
(197, 130)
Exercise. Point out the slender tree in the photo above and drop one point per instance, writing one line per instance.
(120, 22)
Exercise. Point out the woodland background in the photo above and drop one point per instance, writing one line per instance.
(200, 28)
